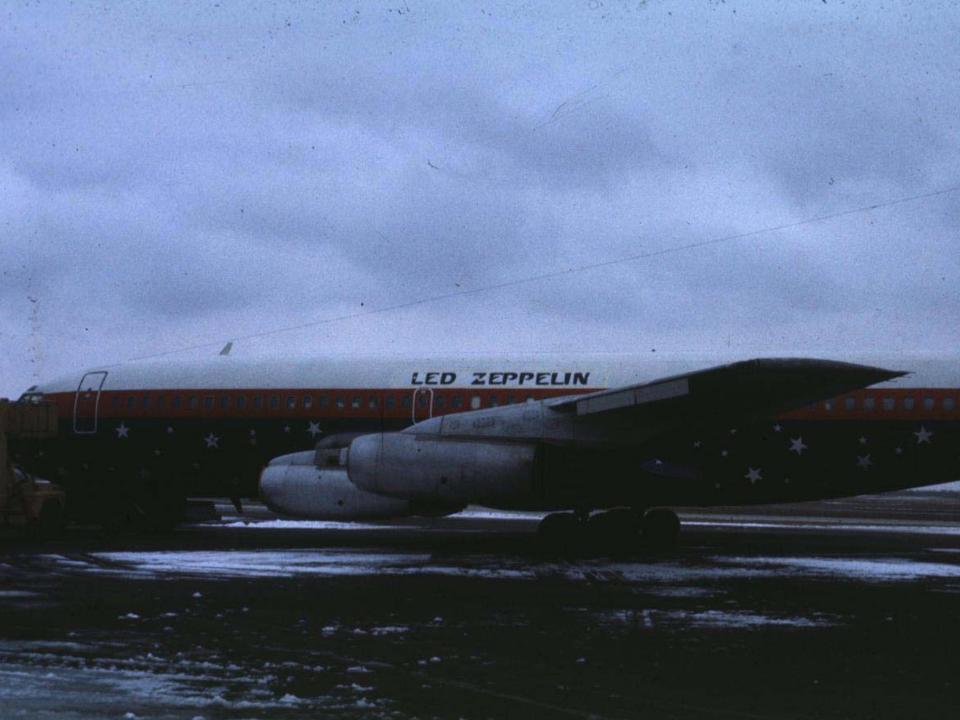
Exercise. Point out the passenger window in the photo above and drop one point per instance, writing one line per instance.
(291, 402)
(117, 401)
(274, 402)
(422, 400)
(193, 402)
(438, 401)
(323, 402)
(257, 401)
(372, 402)
(405, 401)
(224, 402)
(161, 401)
(869, 403)
(908, 403)
(241, 402)
(493, 401)
(208, 402)
(888, 403)
(145, 402)
(828, 405)
(849, 403)
(510, 400)
(130, 401)
(928, 403)
(390, 402)
(456, 402)
(175, 401)
(949, 403)
(355, 402)
(307, 402)
(340, 403)
(475, 402)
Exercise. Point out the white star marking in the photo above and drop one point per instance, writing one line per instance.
(899, 451)
(923, 435)
(786, 481)
(797, 445)
(314, 429)
(753, 475)
(212, 440)
(286, 428)
(863, 440)
(733, 431)
(697, 443)
(169, 430)
(157, 452)
(122, 431)
(723, 453)
(253, 432)
(778, 427)
(864, 462)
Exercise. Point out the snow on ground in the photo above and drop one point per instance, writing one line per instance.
(831, 526)
(878, 569)
(950, 487)
(91, 681)
(738, 619)
(671, 576)
(259, 563)
(471, 513)
(305, 525)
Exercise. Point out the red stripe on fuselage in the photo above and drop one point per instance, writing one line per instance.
(885, 404)
(869, 404)
(300, 402)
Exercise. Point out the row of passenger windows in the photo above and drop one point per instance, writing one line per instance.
(889, 404)
(308, 402)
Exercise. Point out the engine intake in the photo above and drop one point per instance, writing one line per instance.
(296, 486)
(431, 469)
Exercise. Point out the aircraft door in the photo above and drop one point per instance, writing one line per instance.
(86, 405)
(422, 404)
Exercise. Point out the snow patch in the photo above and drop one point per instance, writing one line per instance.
(884, 569)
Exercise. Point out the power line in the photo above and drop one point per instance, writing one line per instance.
(554, 273)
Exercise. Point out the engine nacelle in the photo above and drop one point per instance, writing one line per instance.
(434, 469)
(296, 486)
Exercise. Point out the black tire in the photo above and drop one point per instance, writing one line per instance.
(560, 531)
(661, 527)
(614, 531)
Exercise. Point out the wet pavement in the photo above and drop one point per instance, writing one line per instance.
(848, 609)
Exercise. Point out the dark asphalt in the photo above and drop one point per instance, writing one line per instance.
(837, 610)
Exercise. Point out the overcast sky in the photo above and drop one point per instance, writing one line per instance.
(174, 174)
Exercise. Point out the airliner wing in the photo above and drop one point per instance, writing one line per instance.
(750, 388)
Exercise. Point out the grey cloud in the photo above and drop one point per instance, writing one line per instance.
(186, 171)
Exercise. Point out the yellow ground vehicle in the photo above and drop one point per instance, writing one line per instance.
(26, 501)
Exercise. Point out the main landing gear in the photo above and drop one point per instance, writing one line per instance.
(617, 530)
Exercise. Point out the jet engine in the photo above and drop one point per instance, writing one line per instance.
(297, 485)
(434, 469)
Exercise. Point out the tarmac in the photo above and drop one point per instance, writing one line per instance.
(843, 609)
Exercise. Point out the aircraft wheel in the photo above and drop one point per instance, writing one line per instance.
(660, 527)
(559, 530)
(614, 530)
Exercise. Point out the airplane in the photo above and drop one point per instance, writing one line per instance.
(606, 445)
